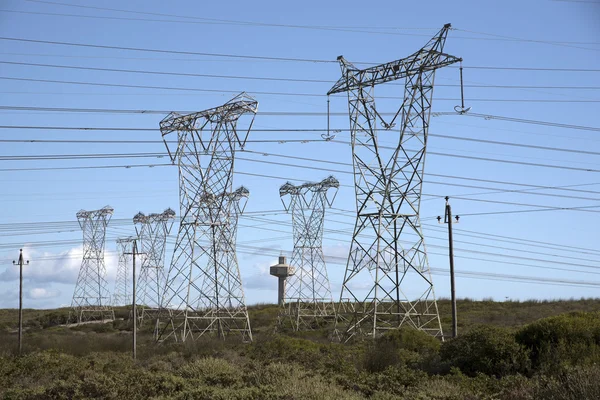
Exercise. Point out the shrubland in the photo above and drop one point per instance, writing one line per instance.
(509, 350)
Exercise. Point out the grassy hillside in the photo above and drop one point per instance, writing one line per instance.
(506, 350)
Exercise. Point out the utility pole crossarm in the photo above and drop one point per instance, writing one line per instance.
(429, 58)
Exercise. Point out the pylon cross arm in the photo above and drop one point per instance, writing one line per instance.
(424, 60)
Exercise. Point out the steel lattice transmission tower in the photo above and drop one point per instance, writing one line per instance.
(152, 231)
(204, 293)
(122, 294)
(91, 297)
(225, 244)
(308, 293)
(387, 246)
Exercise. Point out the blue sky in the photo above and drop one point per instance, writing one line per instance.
(537, 37)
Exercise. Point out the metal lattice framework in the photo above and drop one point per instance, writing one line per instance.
(308, 293)
(225, 244)
(204, 293)
(122, 294)
(91, 298)
(152, 231)
(387, 246)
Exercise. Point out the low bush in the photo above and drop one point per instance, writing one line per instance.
(566, 339)
(394, 380)
(488, 350)
(211, 371)
(405, 346)
(570, 383)
(53, 318)
(330, 357)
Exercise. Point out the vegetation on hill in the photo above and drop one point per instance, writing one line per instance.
(508, 350)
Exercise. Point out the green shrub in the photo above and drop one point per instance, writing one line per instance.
(53, 318)
(394, 380)
(434, 388)
(488, 350)
(571, 383)
(212, 371)
(257, 374)
(411, 339)
(569, 339)
(404, 346)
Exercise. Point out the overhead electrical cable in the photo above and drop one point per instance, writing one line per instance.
(267, 78)
(288, 113)
(315, 130)
(239, 56)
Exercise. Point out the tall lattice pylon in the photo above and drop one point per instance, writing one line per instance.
(122, 293)
(387, 246)
(308, 294)
(91, 298)
(152, 231)
(204, 293)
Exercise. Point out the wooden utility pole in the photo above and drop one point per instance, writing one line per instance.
(134, 253)
(448, 220)
(20, 262)
(134, 312)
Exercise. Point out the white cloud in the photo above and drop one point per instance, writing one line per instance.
(261, 279)
(9, 297)
(60, 267)
(337, 252)
(42, 293)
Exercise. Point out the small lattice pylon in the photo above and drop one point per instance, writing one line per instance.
(152, 231)
(307, 299)
(227, 285)
(122, 294)
(91, 298)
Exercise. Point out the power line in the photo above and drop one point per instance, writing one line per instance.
(188, 19)
(328, 170)
(520, 241)
(544, 208)
(99, 46)
(287, 113)
(347, 232)
(203, 21)
(266, 78)
(238, 56)
(138, 71)
(528, 40)
(533, 69)
(312, 130)
(582, 208)
(221, 91)
(532, 122)
(54, 226)
(65, 242)
(537, 207)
